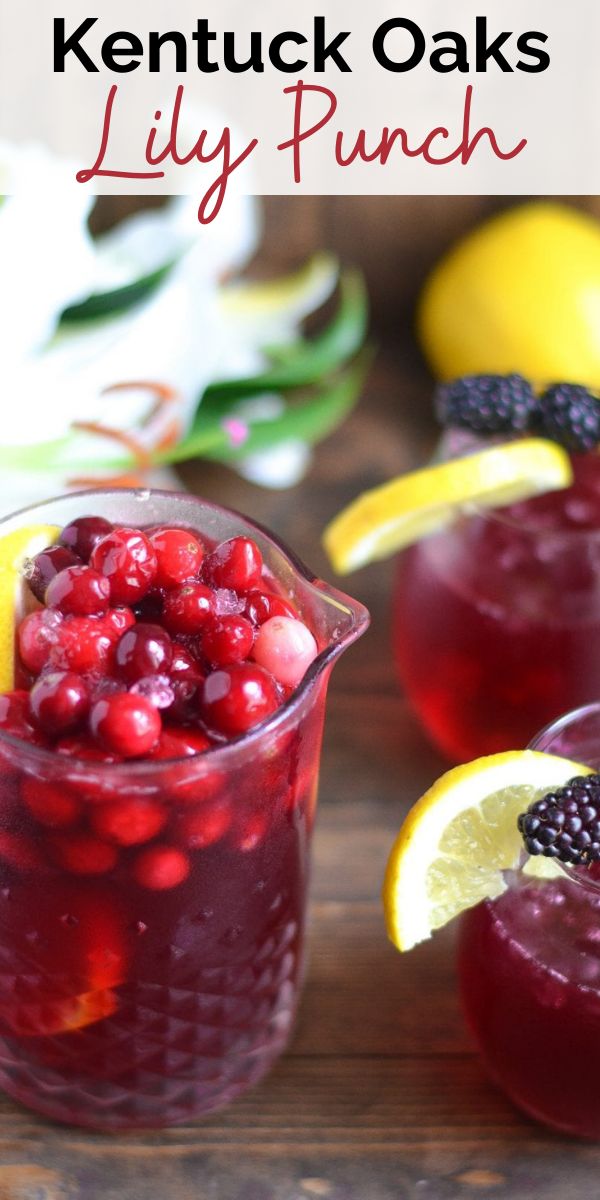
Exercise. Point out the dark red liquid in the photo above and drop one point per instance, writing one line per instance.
(497, 620)
(123, 1005)
(530, 981)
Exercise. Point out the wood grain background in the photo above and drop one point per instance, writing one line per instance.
(380, 1096)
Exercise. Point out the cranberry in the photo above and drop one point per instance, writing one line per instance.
(15, 717)
(125, 724)
(260, 606)
(181, 742)
(82, 534)
(227, 640)
(36, 636)
(79, 591)
(238, 697)
(286, 648)
(251, 831)
(90, 782)
(128, 560)
(50, 803)
(179, 556)
(46, 565)
(161, 867)
(186, 608)
(117, 621)
(185, 786)
(235, 564)
(129, 820)
(205, 825)
(59, 702)
(186, 676)
(82, 746)
(84, 855)
(143, 650)
(82, 645)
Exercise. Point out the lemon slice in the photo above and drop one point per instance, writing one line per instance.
(384, 520)
(15, 548)
(461, 836)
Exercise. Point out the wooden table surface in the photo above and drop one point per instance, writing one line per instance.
(380, 1096)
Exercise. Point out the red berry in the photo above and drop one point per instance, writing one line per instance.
(15, 717)
(179, 556)
(51, 804)
(161, 867)
(79, 591)
(186, 676)
(117, 621)
(59, 702)
(91, 782)
(84, 855)
(82, 645)
(238, 697)
(37, 635)
(251, 831)
(128, 560)
(129, 821)
(185, 784)
(205, 825)
(181, 742)
(235, 564)
(82, 534)
(227, 640)
(46, 565)
(125, 724)
(261, 606)
(187, 608)
(143, 650)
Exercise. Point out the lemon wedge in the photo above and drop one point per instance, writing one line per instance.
(385, 520)
(15, 548)
(461, 836)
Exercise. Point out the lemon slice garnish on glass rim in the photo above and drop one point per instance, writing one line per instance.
(461, 836)
(15, 548)
(388, 518)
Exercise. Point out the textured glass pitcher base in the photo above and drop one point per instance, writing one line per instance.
(170, 1053)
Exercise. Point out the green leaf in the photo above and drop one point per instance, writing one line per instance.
(117, 300)
(307, 361)
(309, 420)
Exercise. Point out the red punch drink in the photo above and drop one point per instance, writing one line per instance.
(158, 772)
(496, 620)
(530, 975)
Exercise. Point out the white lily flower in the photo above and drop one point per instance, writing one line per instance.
(47, 253)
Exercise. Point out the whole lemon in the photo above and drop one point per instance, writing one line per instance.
(521, 293)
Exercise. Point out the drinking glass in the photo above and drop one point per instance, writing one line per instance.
(496, 620)
(123, 1006)
(529, 967)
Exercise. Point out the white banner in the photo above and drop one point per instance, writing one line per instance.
(312, 96)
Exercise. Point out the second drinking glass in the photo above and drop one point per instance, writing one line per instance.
(496, 620)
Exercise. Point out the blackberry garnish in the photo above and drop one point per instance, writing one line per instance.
(570, 415)
(565, 824)
(487, 403)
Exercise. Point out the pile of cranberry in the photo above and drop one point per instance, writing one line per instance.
(150, 644)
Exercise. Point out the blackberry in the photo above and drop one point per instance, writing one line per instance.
(565, 824)
(570, 415)
(487, 403)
